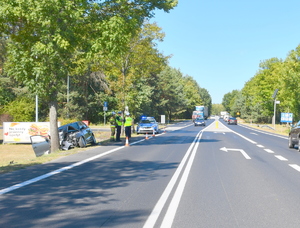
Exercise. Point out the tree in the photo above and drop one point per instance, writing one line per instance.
(47, 37)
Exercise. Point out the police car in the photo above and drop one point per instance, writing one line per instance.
(146, 125)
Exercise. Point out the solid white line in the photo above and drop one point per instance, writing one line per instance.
(269, 151)
(264, 132)
(162, 200)
(169, 217)
(20, 185)
(33, 180)
(281, 158)
(296, 167)
(244, 137)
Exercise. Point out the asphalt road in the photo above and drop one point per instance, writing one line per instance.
(213, 176)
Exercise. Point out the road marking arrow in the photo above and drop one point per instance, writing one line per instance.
(242, 151)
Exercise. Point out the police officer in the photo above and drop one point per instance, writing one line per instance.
(119, 121)
(128, 122)
(113, 124)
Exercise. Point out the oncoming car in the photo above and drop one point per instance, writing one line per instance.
(147, 125)
(199, 121)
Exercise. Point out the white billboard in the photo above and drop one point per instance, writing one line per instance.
(20, 132)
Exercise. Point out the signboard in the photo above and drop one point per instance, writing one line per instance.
(105, 104)
(20, 132)
(162, 119)
(286, 117)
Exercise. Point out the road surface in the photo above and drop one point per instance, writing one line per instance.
(213, 176)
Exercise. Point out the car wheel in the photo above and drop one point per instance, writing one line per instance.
(94, 142)
(291, 145)
(82, 142)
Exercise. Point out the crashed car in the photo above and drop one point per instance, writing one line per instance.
(147, 125)
(76, 134)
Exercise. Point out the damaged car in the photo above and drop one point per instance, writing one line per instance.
(76, 134)
(71, 135)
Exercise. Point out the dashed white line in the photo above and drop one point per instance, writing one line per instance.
(296, 167)
(269, 151)
(261, 146)
(281, 158)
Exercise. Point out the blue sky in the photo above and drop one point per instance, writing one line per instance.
(220, 43)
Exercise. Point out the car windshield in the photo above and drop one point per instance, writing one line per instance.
(199, 118)
(148, 121)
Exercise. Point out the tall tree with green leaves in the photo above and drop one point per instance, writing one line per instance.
(48, 36)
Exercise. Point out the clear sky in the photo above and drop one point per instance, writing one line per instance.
(220, 43)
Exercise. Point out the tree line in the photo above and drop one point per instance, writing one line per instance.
(76, 55)
(255, 101)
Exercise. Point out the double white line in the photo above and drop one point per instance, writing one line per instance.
(169, 217)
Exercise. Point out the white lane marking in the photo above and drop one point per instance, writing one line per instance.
(269, 151)
(244, 137)
(281, 158)
(296, 167)
(264, 132)
(240, 150)
(33, 180)
(169, 217)
(253, 133)
(261, 146)
(162, 200)
(20, 185)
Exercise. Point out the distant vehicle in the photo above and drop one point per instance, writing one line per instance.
(147, 125)
(294, 136)
(223, 113)
(232, 120)
(200, 111)
(199, 122)
(226, 117)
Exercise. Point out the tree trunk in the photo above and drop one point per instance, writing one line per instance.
(53, 126)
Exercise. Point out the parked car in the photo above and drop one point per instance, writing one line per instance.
(199, 122)
(294, 136)
(232, 120)
(147, 125)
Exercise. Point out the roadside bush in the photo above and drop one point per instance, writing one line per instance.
(22, 109)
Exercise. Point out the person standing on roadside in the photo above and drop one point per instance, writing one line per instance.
(119, 121)
(128, 122)
(113, 124)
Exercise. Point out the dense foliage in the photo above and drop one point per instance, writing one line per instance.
(76, 61)
(255, 101)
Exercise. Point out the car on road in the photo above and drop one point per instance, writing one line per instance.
(232, 120)
(147, 125)
(294, 136)
(199, 122)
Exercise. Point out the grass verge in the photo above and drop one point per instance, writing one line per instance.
(19, 156)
